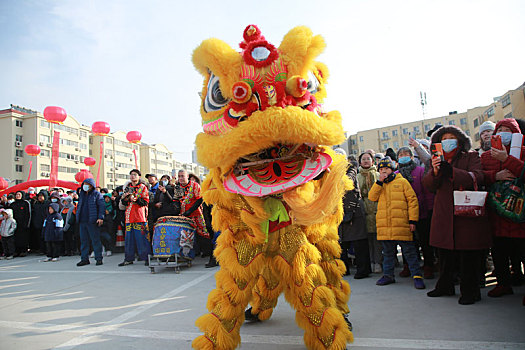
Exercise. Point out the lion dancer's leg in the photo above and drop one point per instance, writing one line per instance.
(265, 293)
(307, 291)
(240, 263)
(334, 269)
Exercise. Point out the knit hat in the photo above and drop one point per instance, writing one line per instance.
(379, 155)
(341, 151)
(510, 123)
(386, 163)
(488, 125)
(434, 129)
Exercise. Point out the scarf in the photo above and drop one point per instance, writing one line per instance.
(406, 170)
(368, 174)
(390, 178)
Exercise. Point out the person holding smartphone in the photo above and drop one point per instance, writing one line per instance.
(457, 238)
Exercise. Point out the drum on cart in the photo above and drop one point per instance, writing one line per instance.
(173, 238)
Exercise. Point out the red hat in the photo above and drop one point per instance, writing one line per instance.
(510, 123)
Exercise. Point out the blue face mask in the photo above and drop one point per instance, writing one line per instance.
(506, 137)
(449, 145)
(54, 200)
(85, 187)
(404, 160)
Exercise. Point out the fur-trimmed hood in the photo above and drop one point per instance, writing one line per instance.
(464, 141)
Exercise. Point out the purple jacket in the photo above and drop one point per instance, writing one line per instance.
(424, 197)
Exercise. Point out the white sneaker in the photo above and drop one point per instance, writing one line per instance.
(378, 268)
(92, 255)
(108, 253)
(10, 257)
(54, 259)
(2, 257)
(47, 259)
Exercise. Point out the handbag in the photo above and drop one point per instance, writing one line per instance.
(507, 198)
(470, 203)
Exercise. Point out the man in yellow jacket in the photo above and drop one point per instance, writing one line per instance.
(396, 218)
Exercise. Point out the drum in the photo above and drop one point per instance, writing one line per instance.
(173, 235)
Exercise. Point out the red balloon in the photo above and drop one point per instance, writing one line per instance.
(3, 184)
(82, 175)
(90, 161)
(55, 115)
(33, 150)
(100, 128)
(134, 136)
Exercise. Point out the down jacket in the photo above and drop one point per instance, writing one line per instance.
(94, 201)
(397, 208)
(364, 187)
(501, 226)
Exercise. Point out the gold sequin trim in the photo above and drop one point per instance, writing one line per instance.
(247, 252)
(211, 338)
(289, 242)
(241, 284)
(328, 340)
(266, 304)
(316, 319)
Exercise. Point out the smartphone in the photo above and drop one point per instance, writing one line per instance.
(495, 142)
(437, 151)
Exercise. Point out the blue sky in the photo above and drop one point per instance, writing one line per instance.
(129, 62)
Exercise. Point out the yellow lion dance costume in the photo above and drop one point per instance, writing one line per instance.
(276, 187)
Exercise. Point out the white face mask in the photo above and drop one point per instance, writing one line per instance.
(164, 183)
(85, 187)
(10, 201)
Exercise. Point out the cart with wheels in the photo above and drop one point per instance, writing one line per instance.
(173, 238)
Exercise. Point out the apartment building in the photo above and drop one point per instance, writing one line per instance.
(156, 159)
(20, 127)
(117, 158)
(509, 105)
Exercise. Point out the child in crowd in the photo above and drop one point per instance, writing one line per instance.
(7, 231)
(53, 232)
(68, 214)
(397, 215)
(106, 230)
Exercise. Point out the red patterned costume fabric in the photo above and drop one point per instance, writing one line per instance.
(138, 211)
(192, 193)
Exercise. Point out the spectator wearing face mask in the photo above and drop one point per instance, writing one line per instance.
(509, 236)
(38, 215)
(55, 198)
(164, 199)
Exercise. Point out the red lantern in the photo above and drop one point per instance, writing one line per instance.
(3, 184)
(82, 175)
(90, 161)
(55, 115)
(100, 128)
(134, 136)
(32, 150)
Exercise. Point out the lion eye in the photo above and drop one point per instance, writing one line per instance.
(214, 99)
(313, 83)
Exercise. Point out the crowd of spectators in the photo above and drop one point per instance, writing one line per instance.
(406, 198)
(87, 221)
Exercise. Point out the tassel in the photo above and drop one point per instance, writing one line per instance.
(276, 211)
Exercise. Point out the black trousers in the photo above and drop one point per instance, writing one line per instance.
(503, 249)
(423, 232)
(8, 243)
(53, 249)
(469, 265)
(362, 255)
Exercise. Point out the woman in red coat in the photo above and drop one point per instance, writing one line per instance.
(509, 236)
(456, 237)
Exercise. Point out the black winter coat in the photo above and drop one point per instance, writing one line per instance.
(40, 212)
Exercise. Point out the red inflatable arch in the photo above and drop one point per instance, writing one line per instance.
(40, 183)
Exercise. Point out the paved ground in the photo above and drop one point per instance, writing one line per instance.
(59, 306)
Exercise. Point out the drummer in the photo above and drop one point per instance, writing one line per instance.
(190, 206)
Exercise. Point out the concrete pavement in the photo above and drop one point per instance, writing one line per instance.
(56, 305)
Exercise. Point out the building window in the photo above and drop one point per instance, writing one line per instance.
(396, 145)
(360, 138)
(405, 131)
(463, 121)
(505, 101)
(385, 146)
(405, 143)
(467, 132)
(451, 122)
(476, 122)
(509, 115)
(109, 140)
(394, 132)
(45, 153)
(45, 167)
(490, 112)
(18, 123)
(44, 123)
(18, 138)
(19, 168)
(83, 133)
(19, 153)
(477, 137)
(385, 134)
(45, 138)
(416, 129)
(427, 127)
